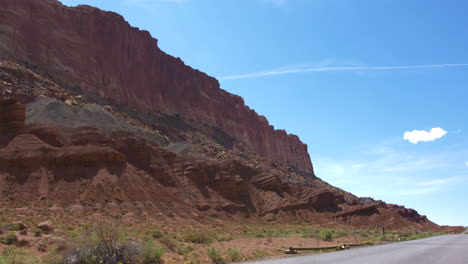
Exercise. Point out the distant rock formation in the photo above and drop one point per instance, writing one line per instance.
(101, 53)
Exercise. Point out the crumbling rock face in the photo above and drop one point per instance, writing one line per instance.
(82, 169)
(269, 182)
(359, 210)
(99, 52)
(12, 119)
(408, 213)
(28, 151)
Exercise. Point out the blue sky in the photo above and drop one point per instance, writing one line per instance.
(335, 73)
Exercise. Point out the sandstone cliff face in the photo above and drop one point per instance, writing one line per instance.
(100, 52)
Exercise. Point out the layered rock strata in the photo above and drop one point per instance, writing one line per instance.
(101, 53)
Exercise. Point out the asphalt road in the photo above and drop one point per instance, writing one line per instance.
(449, 249)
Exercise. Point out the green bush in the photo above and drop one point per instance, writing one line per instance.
(307, 234)
(198, 238)
(12, 227)
(327, 235)
(11, 239)
(151, 254)
(168, 243)
(260, 235)
(37, 232)
(156, 234)
(341, 233)
(215, 257)
(15, 256)
(3, 260)
(183, 250)
(234, 254)
(105, 245)
(52, 258)
(380, 238)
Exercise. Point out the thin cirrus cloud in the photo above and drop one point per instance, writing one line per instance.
(368, 172)
(416, 136)
(276, 2)
(329, 69)
(148, 2)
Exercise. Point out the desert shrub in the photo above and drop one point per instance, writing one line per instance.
(341, 233)
(234, 254)
(156, 234)
(307, 234)
(183, 250)
(363, 233)
(198, 238)
(327, 235)
(152, 254)
(193, 259)
(22, 243)
(52, 258)
(260, 235)
(42, 247)
(380, 238)
(10, 239)
(168, 243)
(105, 245)
(12, 227)
(74, 235)
(37, 231)
(15, 256)
(214, 255)
(260, 253)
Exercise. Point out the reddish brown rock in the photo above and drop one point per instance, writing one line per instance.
(12, 120)
(101, 53)
(359, 210)
(26, 151)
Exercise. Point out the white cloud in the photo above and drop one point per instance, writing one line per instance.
(416, 136)
(325, 69)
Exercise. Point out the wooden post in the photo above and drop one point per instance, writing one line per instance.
(383, 232)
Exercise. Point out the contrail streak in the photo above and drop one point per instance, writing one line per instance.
(354, 68)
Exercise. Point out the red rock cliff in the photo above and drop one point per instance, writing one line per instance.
(99, 51)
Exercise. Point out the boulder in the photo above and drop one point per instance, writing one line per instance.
(46, 226)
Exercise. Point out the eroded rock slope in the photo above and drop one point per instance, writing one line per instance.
(72, 155)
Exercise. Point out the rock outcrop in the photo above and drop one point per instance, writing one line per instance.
(102, 54)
